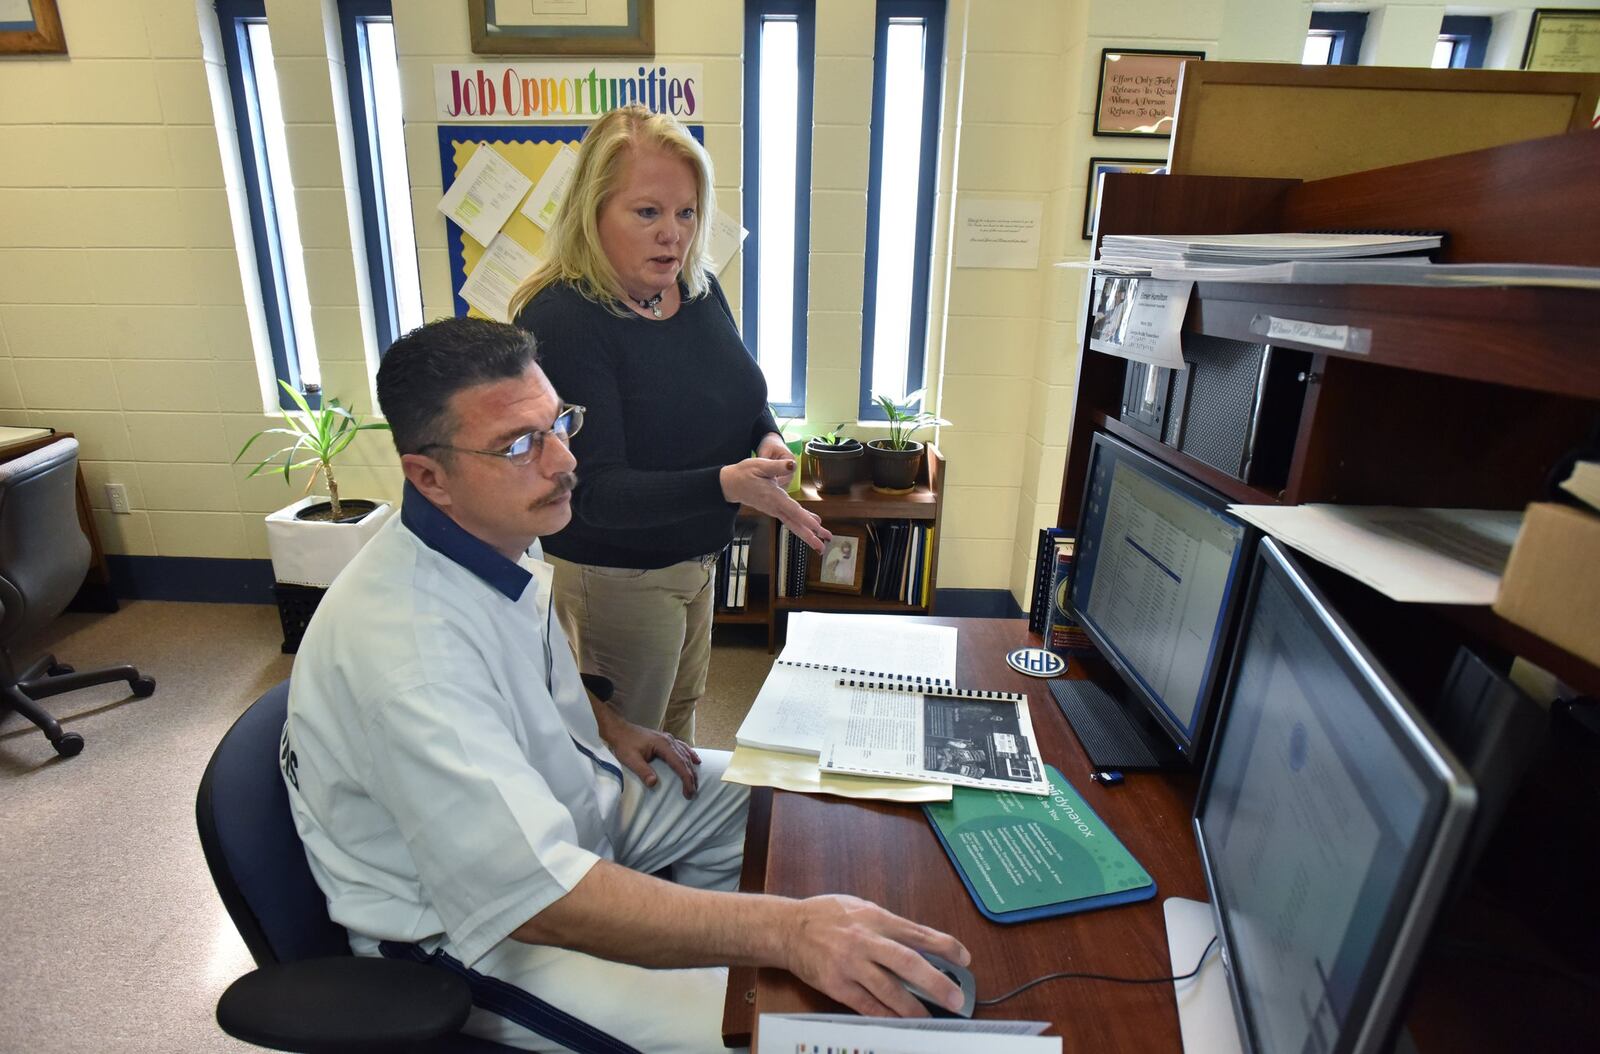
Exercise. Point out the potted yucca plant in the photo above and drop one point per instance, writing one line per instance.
(313, 538)
(894, 461)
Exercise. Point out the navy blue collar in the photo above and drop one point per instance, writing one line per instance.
(449, 539)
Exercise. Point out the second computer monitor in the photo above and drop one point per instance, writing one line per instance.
(1157, 573)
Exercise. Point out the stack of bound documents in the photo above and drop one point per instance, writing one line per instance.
(1232, 250)
(865, 706)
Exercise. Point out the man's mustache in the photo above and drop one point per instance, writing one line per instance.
(564, 482)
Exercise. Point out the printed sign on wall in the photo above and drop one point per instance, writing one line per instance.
(563, 91)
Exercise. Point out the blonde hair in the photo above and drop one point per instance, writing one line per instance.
(572, 246)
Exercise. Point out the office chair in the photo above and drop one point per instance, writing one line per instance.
(309, 992)
(44, 556)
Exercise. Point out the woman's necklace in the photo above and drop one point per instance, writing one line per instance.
(653, 305)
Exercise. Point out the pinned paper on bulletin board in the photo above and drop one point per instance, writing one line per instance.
(485, 271)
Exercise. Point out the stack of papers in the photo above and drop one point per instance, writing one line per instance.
(1147, 250)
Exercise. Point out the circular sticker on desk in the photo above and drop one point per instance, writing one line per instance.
(1037, 662)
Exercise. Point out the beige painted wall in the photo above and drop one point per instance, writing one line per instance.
(124, 316)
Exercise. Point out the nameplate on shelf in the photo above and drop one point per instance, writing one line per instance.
(1317, 334)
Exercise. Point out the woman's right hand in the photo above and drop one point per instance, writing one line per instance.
(754, 482)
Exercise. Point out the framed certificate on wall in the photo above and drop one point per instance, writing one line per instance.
(1562, 40)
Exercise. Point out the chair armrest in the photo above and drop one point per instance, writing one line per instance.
(344, 1003)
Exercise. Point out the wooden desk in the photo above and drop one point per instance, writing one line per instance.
(801, 845)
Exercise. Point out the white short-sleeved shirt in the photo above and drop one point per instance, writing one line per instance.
(443, 763)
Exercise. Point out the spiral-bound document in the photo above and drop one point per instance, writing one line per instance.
(796, 705)
(933, 733)
(799, 700)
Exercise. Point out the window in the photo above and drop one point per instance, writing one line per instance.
(1334, 38)
(780, 55)
(1462, 42)
(269, 192)
(900, 191)
(372, 71)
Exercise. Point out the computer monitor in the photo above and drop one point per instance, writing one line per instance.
(1330, 819)
(1157, 567)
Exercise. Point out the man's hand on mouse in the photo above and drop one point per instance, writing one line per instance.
(858, 953)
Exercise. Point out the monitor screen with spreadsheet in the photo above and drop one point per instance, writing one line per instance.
(1158, 564)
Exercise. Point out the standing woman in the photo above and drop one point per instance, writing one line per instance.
(632, 325)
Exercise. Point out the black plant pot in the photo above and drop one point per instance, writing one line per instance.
(355, 510)
(834, 465)
(894, 471)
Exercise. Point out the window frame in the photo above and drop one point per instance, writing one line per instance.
(1347, 29)
(932, 14)
(380, 263)
(1470, 34)
(804, 14)
(233, 16)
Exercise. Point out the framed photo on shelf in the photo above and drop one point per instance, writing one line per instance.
(843, 563)
(31, 27)
(1138, 93)
(1100, 166)
(561, 27)
(1563, 40)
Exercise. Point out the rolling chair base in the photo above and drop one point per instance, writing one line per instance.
(48, 677)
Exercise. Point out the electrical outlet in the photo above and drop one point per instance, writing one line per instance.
(117, 494)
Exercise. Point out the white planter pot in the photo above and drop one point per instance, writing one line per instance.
(307, 553)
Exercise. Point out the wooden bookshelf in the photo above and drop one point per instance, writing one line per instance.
(861, 505)
(1459, 397)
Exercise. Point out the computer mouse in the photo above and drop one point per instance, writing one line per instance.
(962, 978)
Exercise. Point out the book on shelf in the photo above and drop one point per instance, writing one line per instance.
(1051, 540)
(731, 589)
(1062, 634)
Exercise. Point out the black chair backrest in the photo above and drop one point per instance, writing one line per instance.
(44, 553)
(256, 858)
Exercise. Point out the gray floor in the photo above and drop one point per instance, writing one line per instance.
(113, 937)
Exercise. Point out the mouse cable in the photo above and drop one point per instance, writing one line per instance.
(1102, 977)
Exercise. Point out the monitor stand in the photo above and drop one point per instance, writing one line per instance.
(1205, 1010)
(1111, 737)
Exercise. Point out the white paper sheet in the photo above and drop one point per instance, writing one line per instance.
(726, 237)
(787, 1033)
(500, 270)
(1141, 318)
(878, 643)
(753, 767)
(998, 232)
(1418, 556)
(484, 195)
(542, 205)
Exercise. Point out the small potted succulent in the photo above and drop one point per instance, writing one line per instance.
(313, 538)
(894, 461)
(833, 458)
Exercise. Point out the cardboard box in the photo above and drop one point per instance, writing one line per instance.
(1551, 585)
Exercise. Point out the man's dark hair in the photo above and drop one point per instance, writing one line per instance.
(424, 368)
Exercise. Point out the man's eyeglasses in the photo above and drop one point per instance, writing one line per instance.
(528, 447)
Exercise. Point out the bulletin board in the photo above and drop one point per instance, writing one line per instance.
(1310, 122)
(529, 147)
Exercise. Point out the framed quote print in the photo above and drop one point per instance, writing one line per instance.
(1098, 168)
(1138, 93)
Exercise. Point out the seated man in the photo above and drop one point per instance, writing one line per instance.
(462, 801)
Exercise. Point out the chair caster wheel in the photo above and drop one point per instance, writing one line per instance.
(143, 687)
(60, 669)
(70, 745)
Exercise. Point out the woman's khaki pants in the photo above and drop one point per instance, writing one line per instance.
(648, 631)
